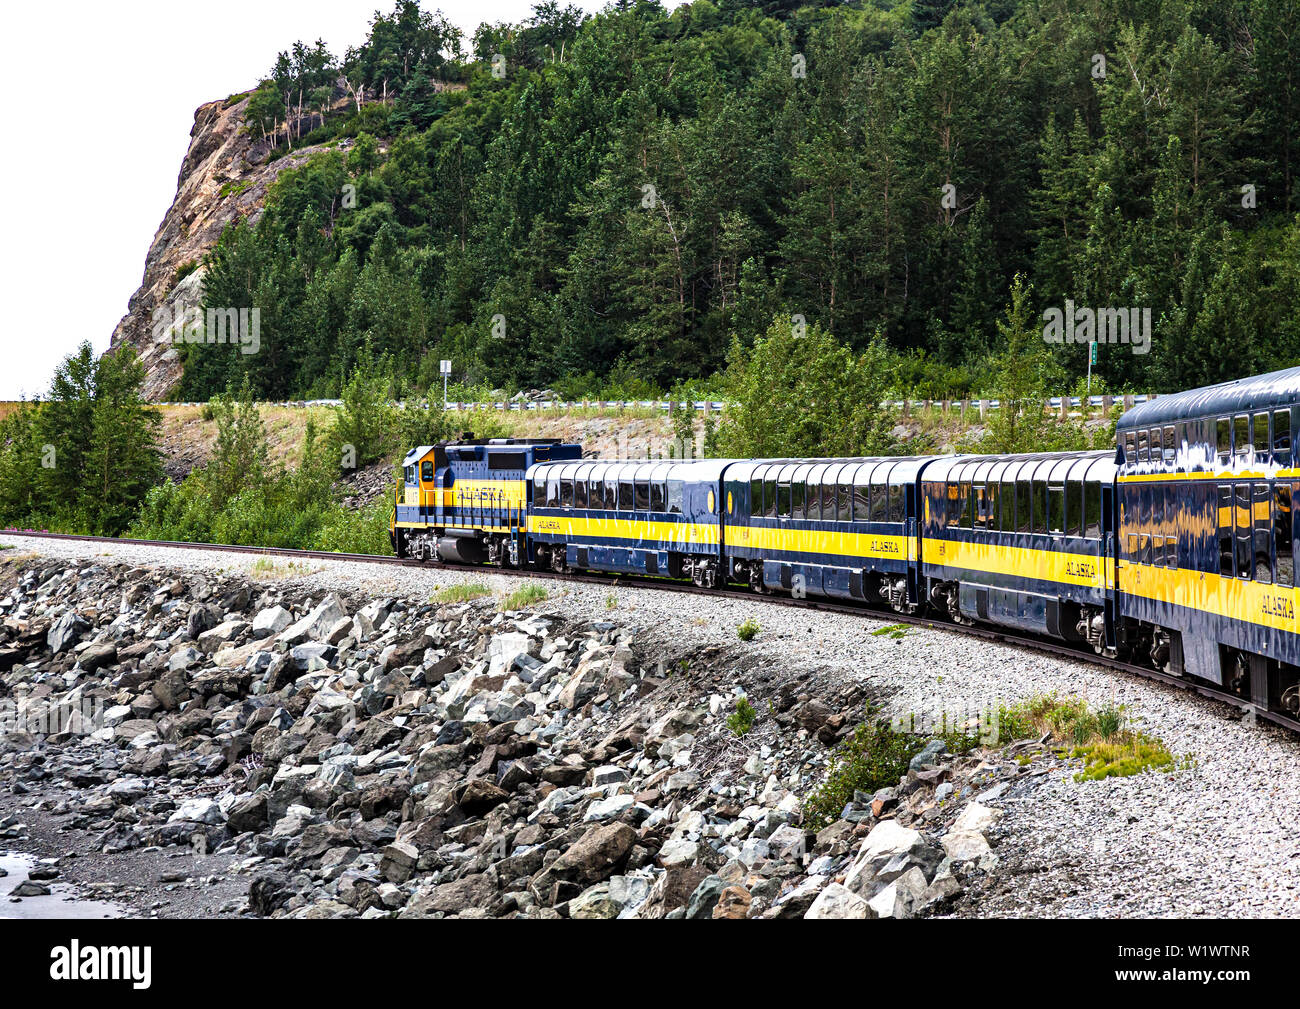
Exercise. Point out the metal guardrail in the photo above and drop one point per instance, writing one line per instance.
(710, 406)
(700, 406)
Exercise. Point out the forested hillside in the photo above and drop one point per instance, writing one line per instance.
(613, 200)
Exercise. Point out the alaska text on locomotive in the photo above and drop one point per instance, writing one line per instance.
(234, 326)
(1081, 324)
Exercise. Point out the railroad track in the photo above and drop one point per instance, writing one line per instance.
(1081, 654)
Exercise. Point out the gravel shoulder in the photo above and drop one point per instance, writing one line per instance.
(1218, 838)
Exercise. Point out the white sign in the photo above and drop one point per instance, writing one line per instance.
(446, 368)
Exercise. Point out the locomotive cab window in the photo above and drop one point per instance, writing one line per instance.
(426, 471)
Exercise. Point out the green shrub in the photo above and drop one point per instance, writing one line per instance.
(742, 719)
(748, 630)
(874, 757)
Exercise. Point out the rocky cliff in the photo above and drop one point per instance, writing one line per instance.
(224, 176)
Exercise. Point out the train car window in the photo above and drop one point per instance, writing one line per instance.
(1092, 510)
(539, 492)
(1132, 547)
(1142, 447)
(861, 502)
(994, 497)
(1241, 434)
(1244, 531)
(1008, 499)
(1225, 531)
(626, 496)
(1171, 551)
(755, 496)
(1056, 509)
(828, 501)
(796, 499)
(580, 494)
(1023, 510)
(553, 492)
(1144, 548)
(1156, 442)
(968, 506)
(1074, 508)
(1171, 445)
(1158, 551)
(783, 500)
(1180, 441)
(1223, 439)
(1040, 507)
(979, 506)
(1262, 513)
(769, 498)
(642, 492)
(1282, 436)
(1261, 440)
(897, 506)
(1282, 533)
(566, 493)
(675, 498)
(657, 495)
(1130, 447)
(845, 503)
(879, 502)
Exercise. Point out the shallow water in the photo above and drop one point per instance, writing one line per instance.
(61, 903)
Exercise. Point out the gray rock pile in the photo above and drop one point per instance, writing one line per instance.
(392, 757)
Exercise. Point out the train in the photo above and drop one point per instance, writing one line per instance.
(1175, 550)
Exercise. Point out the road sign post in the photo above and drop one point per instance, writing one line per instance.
(445, 368)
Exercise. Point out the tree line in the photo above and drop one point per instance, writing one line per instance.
(577, 201)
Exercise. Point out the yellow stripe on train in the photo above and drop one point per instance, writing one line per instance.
(636, 530)
(827, 542)
(1020, 562)
(1208, 592)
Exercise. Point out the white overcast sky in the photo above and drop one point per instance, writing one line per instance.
(101, 101)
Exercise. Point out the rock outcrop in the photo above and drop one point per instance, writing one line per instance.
(224, 176)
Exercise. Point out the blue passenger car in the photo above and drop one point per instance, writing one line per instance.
(1023, 541)
(1206, 577)
(844, 528)
(651, 518)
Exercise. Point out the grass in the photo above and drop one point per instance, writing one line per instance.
(748, 630)
(611, 602)
(1101, 737)
(522, 597)
(461, 593)
(266, 568)
(893, 630)
(743, 718)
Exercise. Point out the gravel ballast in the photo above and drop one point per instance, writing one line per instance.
(1220, 837)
